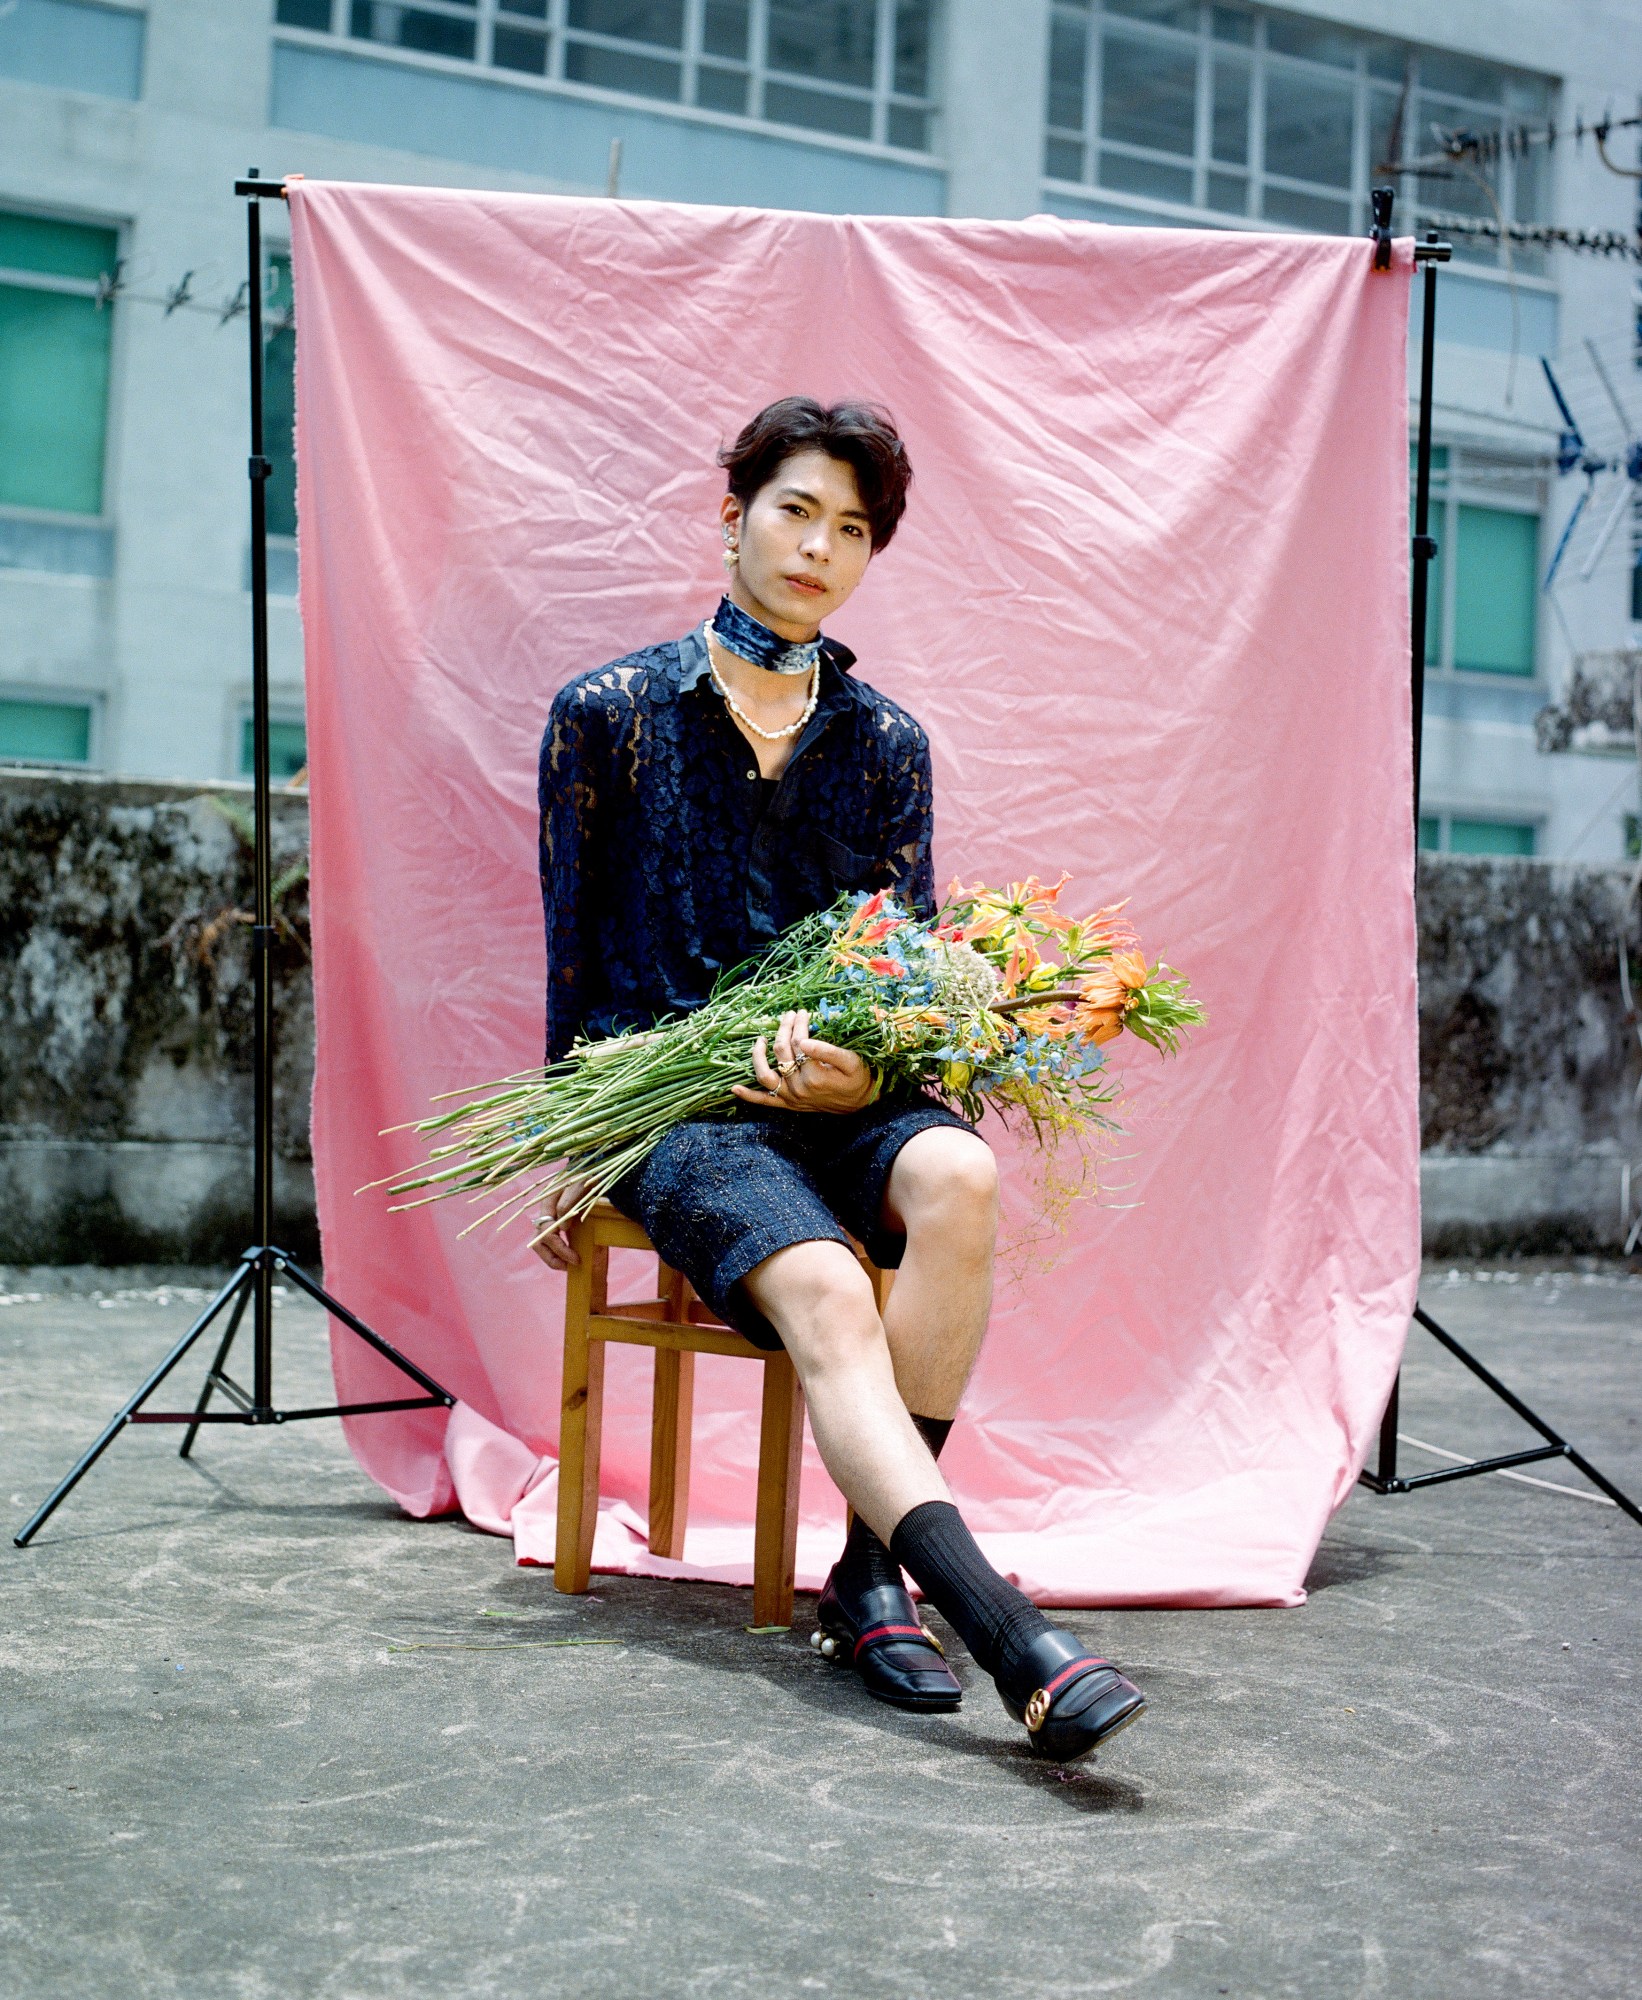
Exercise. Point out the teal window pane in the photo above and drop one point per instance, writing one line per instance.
(57, 249)
(1167, 13)
(1433, 609)
(1148, 94)
(279, 403)
(657, 21)
(1495, 589)
(287, 749)
(53, 400)
(722, 89)
(1489, 836)
(1317, 44)
(912, 35)
(724, 29)
(45, 732)
(829, 40)
(1319, 213)
(614, 69)
(521, 49)
(1434, 572)
(785, 104)
(1308, 128)
(1461, 76)
(1231, 110)
(1430, 831)
(909, 128)
(1152, 177)
(1068, 61)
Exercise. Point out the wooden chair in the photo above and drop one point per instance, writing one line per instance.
(679, 1327)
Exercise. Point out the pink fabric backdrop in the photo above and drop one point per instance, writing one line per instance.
(1150, 601)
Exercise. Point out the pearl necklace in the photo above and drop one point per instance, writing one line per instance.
(741, 715)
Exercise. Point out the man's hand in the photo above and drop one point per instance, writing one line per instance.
(803, 1074)
(550, 1242)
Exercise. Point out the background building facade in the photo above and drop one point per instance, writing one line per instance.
(123, 542)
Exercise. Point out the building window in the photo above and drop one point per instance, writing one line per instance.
(287, 747)
(54, 363)
(1450, 833)
(1482, 610)
(44, 732)
(279, 393)
(853, 69)
(1239, 112)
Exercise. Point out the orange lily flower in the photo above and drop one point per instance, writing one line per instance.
(1050, 1021)
(1107, 993)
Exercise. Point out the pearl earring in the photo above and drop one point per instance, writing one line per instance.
(732, 555)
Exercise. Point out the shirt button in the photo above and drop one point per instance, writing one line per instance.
(752, 774)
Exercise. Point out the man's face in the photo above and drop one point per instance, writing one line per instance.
(805, 543)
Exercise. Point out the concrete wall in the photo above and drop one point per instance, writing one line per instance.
(1530, 1065)
(125, 1034)
(125, 1023)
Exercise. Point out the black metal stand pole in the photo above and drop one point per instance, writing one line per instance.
(252, 1285)
(1384, 1477)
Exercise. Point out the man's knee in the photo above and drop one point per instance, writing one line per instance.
(819, 1300)
(945, 1181)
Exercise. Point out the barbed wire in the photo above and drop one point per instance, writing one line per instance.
(1544, 235)
(1514, 141)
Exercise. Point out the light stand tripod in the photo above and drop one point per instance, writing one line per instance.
(252, 1284)
(1385, 1478)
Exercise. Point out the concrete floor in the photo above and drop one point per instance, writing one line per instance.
(263, 1737)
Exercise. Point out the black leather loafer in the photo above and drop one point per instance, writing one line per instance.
(880, 1635)
(1069, 1699)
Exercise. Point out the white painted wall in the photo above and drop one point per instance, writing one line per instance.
(164, 643)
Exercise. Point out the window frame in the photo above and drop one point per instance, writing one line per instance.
(1364, 82)
(1533, 820)
(1461, 480)
(690, 57)
(282, 710)
(46, 281)
(56, 695)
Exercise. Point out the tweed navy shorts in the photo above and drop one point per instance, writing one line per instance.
(719, 1195)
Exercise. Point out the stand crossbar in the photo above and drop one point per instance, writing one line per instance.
(252, 1285)
(1384, 1478)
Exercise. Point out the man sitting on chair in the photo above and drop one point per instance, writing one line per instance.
(697, 797)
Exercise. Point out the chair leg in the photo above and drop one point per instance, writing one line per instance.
(581, 1423)
(780, 1450)
(671, 1411)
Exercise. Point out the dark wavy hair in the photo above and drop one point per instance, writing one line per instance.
(863, 435)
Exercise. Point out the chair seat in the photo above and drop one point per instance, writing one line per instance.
(678, 1325)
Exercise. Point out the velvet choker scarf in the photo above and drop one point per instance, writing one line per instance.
(740, 633)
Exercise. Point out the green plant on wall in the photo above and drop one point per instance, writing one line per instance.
(203, 931)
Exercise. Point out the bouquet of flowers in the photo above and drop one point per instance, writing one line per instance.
(1001, 1002)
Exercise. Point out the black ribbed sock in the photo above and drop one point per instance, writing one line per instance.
(865, 1563)
(993, 1619)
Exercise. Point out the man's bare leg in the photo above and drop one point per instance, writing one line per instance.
(819, 1300)
(943, 1196)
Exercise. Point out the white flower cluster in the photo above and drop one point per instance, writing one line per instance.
(964, 981)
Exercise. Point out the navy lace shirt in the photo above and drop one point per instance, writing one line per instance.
(665, 859)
